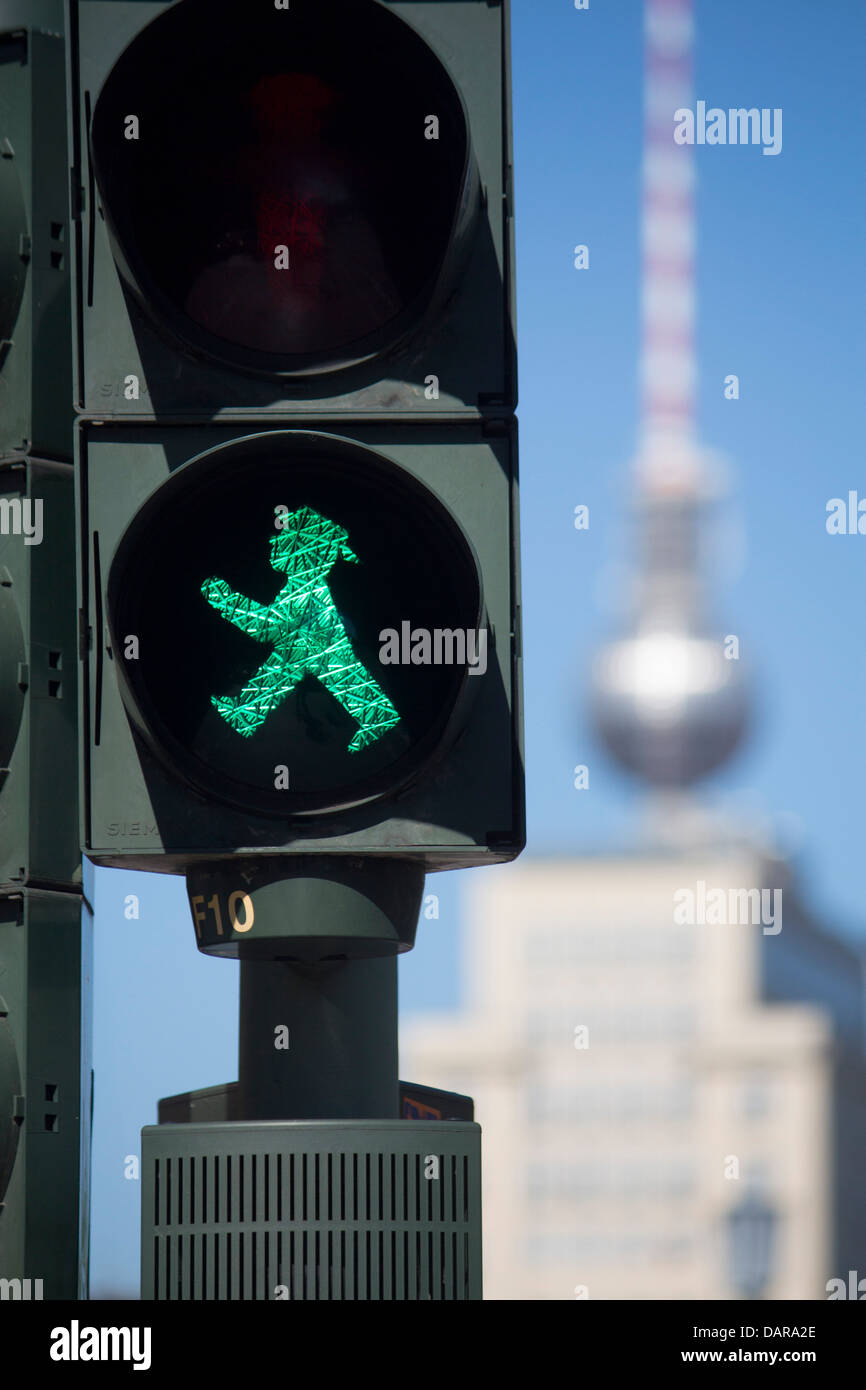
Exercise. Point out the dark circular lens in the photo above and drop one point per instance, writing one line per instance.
(13, 226)
(285, 211)
(11, 657)
(262, 582)
(10, 1088)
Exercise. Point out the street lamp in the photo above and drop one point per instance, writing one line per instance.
(751, 1237)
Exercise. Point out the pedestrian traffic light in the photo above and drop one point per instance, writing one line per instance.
(38, 734)
(45, 1089)
(38, 628)
(297, 453)
(44, 928)
(295, 375)
(35, 359)
(293, 208)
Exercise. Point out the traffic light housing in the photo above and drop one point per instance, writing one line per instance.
(39, 831)
(38, 617)
(45, 928)
(293, 210)
(297, 469)
(297, 455)
(35, 327)
(45, 1089)
(171, 781)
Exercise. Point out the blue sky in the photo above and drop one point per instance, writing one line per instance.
(781, 303)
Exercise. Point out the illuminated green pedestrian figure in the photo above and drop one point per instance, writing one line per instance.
(305, 630)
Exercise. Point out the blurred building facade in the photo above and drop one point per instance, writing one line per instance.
(671, 1109)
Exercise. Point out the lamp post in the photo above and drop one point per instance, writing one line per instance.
(751, 1228)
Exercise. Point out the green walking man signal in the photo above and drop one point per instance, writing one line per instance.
(306, 631)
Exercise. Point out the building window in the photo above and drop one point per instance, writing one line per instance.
(756, 1096)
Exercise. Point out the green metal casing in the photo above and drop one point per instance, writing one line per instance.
(38, 618)
(35, 324)
(295, 1210)
(38, 680)
(470, 347)
(45, 930)
(466, 807)
(45, 984)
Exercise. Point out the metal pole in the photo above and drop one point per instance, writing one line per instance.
(318, 1041)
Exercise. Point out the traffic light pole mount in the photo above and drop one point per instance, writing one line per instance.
(317, 940)
(303, 1180)
(318, 1041)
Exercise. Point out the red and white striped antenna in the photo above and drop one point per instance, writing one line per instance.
(668, 459)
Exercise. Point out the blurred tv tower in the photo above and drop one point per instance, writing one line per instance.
(669, 696)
